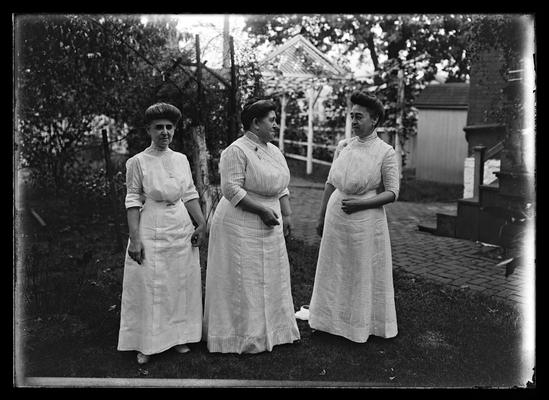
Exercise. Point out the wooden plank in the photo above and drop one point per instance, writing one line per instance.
(159, 382)
(302, 158)
(324, 146)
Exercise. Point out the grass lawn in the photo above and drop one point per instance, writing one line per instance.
(69, 325)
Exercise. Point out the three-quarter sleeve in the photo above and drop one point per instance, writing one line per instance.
(232, 167)
(285, 192)
(189, 190)
(390, 173)
(134, 183)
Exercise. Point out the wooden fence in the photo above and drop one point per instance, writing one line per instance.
(386, 134)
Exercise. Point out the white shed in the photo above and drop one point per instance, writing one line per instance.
(441, 147)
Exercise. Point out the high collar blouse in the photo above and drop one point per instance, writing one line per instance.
(249, 165)
(361, 166)
(159, 175)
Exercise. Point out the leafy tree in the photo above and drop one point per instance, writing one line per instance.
(420, 45)
(375, 36)
(70, 69)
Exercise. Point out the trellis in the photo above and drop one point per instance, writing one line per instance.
(297, 64)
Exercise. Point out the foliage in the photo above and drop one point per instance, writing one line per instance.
(419, 45)
(506, 35)
(392, 36)
(71, 69)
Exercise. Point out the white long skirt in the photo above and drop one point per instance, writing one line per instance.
(353, 294)
(248, 306)
(162, 297)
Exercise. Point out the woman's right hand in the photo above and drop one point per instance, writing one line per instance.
(269, 217)
(136, 251)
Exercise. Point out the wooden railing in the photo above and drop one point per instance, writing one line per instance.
(494, 150)
(309, 158)
(310, 145)
(480, 155)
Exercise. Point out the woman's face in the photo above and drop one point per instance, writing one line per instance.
(266, 128)
(161, 132)
(361, 121)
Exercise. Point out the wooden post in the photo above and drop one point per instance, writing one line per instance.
(400, 117)
(110, 183)
(283, 102)
(233, 126)
(310, 133)
(226, 62)
(198, 81)
(478, 177)
(348, 122)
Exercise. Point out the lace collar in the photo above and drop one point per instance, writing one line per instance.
(368, 139)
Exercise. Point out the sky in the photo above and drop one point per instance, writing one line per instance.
(210, 29)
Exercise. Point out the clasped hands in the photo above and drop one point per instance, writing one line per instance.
(199, 235)
(348, 206)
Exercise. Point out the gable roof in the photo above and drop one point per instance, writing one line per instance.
(445, 96)
(286, 59)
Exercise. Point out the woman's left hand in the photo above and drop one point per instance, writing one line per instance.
(199, 236)
(287, 225)
(350, 206)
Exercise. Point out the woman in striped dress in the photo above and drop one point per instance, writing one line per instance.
(248, 304)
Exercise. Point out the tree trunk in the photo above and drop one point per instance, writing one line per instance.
(201, 178)
(372, 48)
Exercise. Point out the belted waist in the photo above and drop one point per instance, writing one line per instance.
(165, 203)
(367, 195)
(263, 197)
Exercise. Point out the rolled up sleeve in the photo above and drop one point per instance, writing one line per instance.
(134, 184)
(390, 173)
(189, 191)
(232, 166)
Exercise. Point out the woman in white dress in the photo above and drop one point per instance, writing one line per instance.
(248, 305)
(162, 293)
(353, 293)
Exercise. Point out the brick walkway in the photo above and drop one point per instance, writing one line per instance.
(456, 262)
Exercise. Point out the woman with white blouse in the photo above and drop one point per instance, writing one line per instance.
(162, 292)
(248, 305)
(353, 293)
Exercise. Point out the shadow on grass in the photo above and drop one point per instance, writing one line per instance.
(446, 337)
